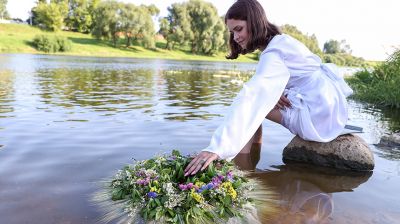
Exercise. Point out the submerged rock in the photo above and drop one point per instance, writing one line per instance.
(392, 140)
(345, 152)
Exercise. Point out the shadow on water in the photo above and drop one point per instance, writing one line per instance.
(304, 192)
(390, 116)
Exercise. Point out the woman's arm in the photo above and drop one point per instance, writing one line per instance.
(256, 99)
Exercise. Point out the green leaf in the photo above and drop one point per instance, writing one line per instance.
(197, 211)
(227, 201)
(180, 173)
(171, 212)
(229, 211)
(176, 152)
(158, 202)
(159, 213)
(152, 214)
(187, 216)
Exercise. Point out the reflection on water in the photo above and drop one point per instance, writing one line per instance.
(170, 95)
(6, 92)
(304, 191)
(68, 122)
(387, 119)
(98, 90)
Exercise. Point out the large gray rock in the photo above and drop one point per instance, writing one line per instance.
(345, 152)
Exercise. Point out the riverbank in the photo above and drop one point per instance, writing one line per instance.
(380, 85)
(17, 38)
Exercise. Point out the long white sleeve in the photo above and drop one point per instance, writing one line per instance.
(250, 107)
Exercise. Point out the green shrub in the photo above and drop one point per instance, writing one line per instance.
(51, 43)
(380, 86)
(63, 44)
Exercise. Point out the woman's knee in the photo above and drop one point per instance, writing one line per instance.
(275, 115)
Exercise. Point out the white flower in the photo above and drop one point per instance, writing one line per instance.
(128, 174)
(116, 183)
(118, 175)
(150, 173)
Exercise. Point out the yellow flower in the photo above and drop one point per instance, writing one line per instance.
(154, 189)
(199, 198)
(233, 193)
(199, 184)
(227, 187)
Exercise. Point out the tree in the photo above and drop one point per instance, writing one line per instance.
(195, 22)
(147, 31)
(203, 18)
(113, 20)
(332, 47)
(336, 47)
(176, 26)
(51, 15)
(137, 24)
(153, 10)
(107, 22)
(80, 15)
(3, 9)
(310, 41)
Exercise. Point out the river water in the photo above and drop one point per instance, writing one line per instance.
(66, 123)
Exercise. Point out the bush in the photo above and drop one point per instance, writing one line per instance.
(63, 44)
(52, 44)
(380, 86)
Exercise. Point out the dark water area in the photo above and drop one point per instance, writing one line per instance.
(67, 123)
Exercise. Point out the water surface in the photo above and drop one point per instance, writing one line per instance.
(67, 123)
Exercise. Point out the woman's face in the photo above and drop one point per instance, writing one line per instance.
(239, 30)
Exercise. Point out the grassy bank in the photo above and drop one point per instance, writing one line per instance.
(17, 38)
(380, 85)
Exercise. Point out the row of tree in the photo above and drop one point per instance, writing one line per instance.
(193, 24)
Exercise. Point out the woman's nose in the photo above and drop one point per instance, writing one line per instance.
(235, 37)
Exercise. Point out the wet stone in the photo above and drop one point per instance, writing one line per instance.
(348, 152)
(390, 140)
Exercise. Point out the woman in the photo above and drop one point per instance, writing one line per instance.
(291, 86)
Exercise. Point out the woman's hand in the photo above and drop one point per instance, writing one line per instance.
(200, 162)
(283, 102)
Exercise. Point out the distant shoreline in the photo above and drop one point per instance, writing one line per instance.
(17, 38)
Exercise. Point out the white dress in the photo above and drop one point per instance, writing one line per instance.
(316, 91)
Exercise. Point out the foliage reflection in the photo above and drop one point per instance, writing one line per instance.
(169, 94)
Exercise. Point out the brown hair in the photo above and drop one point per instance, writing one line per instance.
(260, 30)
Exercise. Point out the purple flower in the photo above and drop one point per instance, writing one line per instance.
(229, 176)
(152, 194)
(182, 187)
(142, 181)
(216, 181)
(188, 186)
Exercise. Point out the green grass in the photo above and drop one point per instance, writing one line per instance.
(17, 38)
(379, 86)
